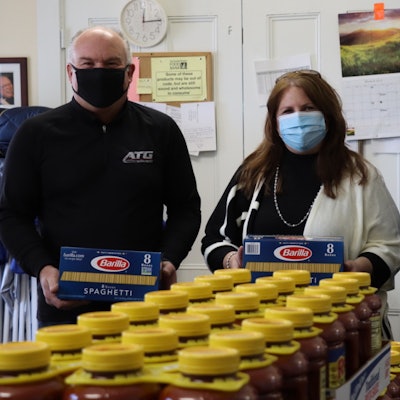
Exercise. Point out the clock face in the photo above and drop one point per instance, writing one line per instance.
(144, 22)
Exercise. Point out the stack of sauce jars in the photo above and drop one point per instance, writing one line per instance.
(312, 345)
(362, 311)
(25, 372)
(333, 332)
(198, 292)
(105, 326)
(111, 371)
(374, 303)
(301, 277)
(293, 364)
(66, 343)
(140, 313)
(265, 377)
(209, 373)
(286, 286)
(349, 320)
(168, 301)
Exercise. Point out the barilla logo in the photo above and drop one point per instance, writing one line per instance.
(292, 253)
(110, 263)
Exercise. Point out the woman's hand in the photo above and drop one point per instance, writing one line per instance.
(233, 259)
(360, 264)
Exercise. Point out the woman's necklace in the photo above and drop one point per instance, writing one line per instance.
(277, 206)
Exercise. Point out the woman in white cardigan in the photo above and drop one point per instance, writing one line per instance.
(303, 180)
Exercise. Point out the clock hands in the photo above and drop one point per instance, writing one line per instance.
(151, 20)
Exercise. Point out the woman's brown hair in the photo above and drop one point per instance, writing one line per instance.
(334, 161)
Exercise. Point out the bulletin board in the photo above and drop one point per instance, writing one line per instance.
(174, 77)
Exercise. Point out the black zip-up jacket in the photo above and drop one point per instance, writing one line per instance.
(94, 185)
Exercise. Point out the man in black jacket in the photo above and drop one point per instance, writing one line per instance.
(97, 172)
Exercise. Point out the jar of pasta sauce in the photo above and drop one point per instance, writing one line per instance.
(209, 373)
(168, 301)
(105, 326)
(192, 329)
(312, 345)
(239, 275)
(301, 277)
(25, 372)
(286, 286)
(362, 311)
(222, 316)
(219, 283)
(268, 293)
(333, 332)
(374, 303)
(279, 334)
(349, 320)
(66, 343)
(140, 313)
(246, 304)
(111, 371)
(265, 377)
(198, 292)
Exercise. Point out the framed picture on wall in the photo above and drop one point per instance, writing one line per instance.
(13, 82)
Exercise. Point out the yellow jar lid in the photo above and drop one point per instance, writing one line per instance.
(394, 357)
(65, 337)
(248, 343)
(112, 357)
(265, 291)
(301, 317)
(241, 301)
(104, 322)
(194, 290)
(284, 284)
(186, 325)
(208, 361)
(274, 330)
(168, 299)
(319, 303)
(239, 275)
(301, 277)
(364, 278)
(153, 340)
(137, 311)
(395, 345)
(24, 356)
(338, 294)
(350, 284)
(219, 283)
(219, 313)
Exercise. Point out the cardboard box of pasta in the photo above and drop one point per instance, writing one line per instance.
(322, 256)
(107, 275)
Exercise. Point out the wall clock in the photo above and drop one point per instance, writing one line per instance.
(144, 22)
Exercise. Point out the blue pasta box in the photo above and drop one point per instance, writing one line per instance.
(107, 275)
(322, 256)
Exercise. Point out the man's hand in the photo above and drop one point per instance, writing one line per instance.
(48, 277)
(168, 275)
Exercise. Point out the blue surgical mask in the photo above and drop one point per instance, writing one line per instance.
(302, 130)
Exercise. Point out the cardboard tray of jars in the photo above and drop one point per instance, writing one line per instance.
(369, 381)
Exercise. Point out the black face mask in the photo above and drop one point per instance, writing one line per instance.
(100, 87)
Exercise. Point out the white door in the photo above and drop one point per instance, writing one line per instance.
(206, 25)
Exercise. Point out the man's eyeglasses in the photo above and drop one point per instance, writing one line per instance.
(298, 72)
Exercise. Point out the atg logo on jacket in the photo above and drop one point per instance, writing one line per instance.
(292, 253)
(145, 156)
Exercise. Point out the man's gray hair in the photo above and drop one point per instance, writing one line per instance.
(71, 47)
